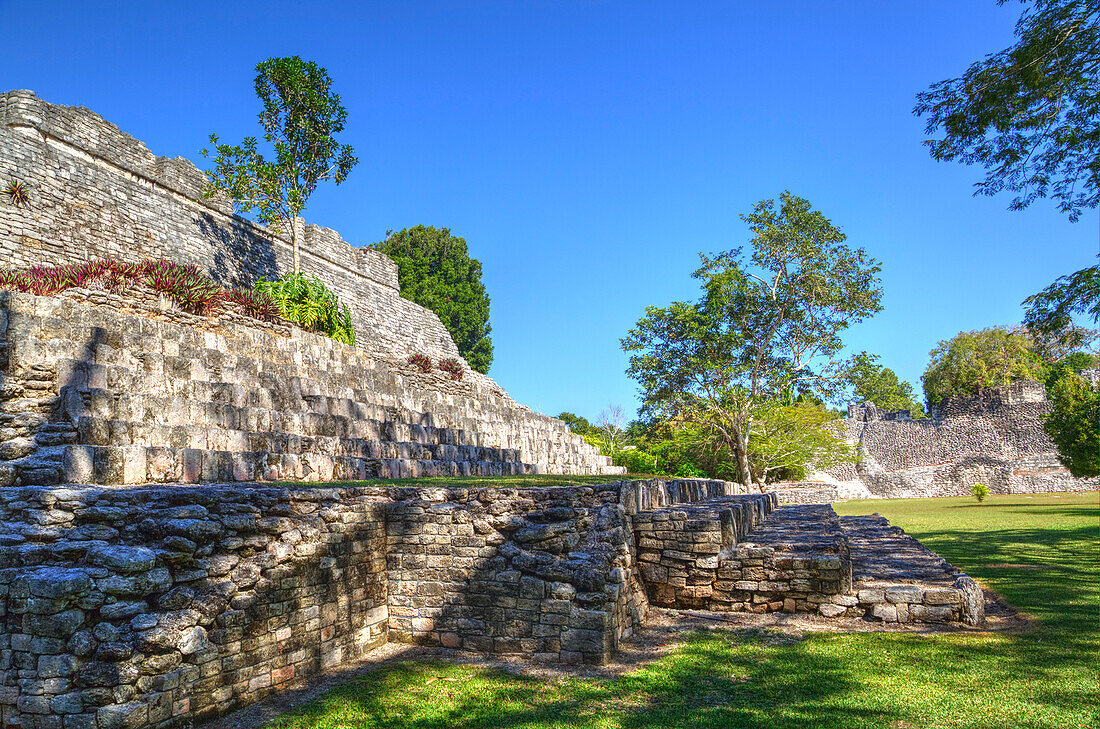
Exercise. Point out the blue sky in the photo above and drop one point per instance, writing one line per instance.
(588, 151)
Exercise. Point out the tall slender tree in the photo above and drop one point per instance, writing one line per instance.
(300, 115)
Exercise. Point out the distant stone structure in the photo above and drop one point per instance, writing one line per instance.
(995, 437)
(107, 389)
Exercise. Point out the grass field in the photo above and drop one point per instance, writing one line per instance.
(1040, 552)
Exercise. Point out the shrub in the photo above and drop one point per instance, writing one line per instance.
(452, 367)
(636, 461)
(193, 290)
(421, 362)
(980, 491)
(307, 301)
(18, 193)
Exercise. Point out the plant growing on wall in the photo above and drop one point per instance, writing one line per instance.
(306, 300)
(984, 358)
(421, 362)
(300, 116)
(17, 193)
(452, 367)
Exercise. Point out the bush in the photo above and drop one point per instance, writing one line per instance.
(452, 367)
(307, 301)
(980, 491)
(421, 362)
(636, 461)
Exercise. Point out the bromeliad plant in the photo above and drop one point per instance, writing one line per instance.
(188, 286)
(452, 367)
(17, 193)
(307, 301)
(421, 362)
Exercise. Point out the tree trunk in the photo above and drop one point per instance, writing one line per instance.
(294, 244)
(740, 452)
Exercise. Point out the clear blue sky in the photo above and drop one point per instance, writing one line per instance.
(588, 150)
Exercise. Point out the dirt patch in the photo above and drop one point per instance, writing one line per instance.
(664, 632)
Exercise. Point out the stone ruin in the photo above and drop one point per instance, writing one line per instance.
(155, 606)
(995, 437)
(154, 573)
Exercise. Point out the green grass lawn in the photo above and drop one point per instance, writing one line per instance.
(1040, 552)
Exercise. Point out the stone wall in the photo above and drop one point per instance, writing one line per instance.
(995, 438)
(166, 606)
(93, 394)
(96, 192)
(159, 606)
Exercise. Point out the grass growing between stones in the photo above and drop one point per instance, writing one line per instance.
(1040, 552)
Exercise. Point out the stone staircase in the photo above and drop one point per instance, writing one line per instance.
(94, 396)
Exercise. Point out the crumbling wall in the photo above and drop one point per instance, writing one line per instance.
(995, 438)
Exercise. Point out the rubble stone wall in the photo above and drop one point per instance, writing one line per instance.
(995, 438)
(165, 606)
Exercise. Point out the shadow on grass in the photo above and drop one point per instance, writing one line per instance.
(705, 684)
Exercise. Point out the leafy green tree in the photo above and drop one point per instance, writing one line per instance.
(577, 423)
(1050, 314)
(880, 385)
(766, 325)
(1030, 115)
(984, 358)
(300, 116)
(791, 438)
(436, 271)
(1074, 422)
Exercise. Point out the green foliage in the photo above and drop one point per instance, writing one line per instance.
(1049, 315)
(765, 326)
(980, 491)
(789, 439)
(1030, 115)
(636, 461)
(300, 115)
(880, 385)
(436, 271)
(984, 358)
(1074, 422)
(577, 423)
(306, 300)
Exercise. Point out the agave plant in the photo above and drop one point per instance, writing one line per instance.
(306, 300)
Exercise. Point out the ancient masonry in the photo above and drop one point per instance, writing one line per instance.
(166, 606)
(995, 438)
(189, 399)
(153, 575)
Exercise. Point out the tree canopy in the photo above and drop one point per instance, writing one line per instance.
(873, 383)
(1030, 114)
(1050, 314)
(766, 325)
(436, 271)
(959, 366)
(1074, 423)
(300, 115)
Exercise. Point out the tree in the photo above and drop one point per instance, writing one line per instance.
(984, 358)
(610, 424)
(1050, 314)
(880, 385)
(436, 271)
(1030, 115)
(300, 116)
(577, 423)
(790, 438)
(765, 326)
(1074, 423)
